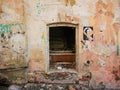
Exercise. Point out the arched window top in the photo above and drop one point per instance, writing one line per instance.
(58, 24)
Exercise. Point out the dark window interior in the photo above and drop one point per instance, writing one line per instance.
(62, 38)
(62, 47)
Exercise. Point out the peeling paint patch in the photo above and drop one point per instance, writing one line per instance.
(101, 62)
(18, 43)
(103, 28)
(63, 17)
(8, 14)
(116, 73)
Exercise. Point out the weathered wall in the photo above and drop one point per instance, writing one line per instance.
(12, 36)
(101, 51)
(102, 15)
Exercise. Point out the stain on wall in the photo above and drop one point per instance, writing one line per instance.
(69, 2)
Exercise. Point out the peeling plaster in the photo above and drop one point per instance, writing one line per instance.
(101, 62)
(97, 56)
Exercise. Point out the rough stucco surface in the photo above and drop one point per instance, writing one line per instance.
(21, 18)
(12, 35)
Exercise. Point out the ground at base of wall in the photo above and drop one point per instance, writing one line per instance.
(46, 86)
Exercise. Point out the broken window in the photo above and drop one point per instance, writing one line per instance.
(62, 47)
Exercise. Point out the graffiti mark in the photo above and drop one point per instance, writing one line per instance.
(40, 7)
(6, 28)
(44, 36)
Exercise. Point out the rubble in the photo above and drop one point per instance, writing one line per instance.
(15, 87)
(4, 80)
(46, 86)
